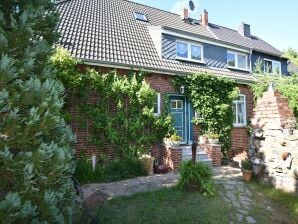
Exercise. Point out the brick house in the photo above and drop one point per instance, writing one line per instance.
(123, 35)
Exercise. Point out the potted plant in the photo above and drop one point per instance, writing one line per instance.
(175, 140)
(213, 138)
(246, 168)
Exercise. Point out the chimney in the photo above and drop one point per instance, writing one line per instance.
(185, 14)
(244, 30)
(204, 18)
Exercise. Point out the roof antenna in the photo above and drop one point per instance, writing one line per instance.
(191, 6)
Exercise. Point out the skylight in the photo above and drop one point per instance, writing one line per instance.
(140, 16)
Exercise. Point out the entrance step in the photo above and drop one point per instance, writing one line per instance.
(200, 155)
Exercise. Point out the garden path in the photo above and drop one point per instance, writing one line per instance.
(231, 188)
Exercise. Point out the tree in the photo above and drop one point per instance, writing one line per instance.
(35, 143)
(292, 55)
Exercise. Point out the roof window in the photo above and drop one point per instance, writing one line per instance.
(140, 16)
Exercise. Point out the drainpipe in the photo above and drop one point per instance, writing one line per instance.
(250, 65)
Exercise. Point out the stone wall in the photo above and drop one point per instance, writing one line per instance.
(274, 142)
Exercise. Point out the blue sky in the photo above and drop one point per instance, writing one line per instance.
(275, 21)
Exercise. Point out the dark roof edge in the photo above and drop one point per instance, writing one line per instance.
(148, 69)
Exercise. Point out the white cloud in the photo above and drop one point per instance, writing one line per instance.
(181, 4)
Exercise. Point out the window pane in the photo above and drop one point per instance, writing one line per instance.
(196, 52)
(140, 16)
(231, 59)
(173, 104)
(179, 104)
(182, 50)
(240, 108)
(268, 66)
(241, 61)
(276, 67)
(240, 98)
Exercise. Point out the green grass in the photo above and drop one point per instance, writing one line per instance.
(164, 206)
(285, 204)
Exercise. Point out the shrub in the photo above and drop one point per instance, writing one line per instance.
(175, 137)
(85, 174)
(114, 171)
(196, 177)
(121, 169)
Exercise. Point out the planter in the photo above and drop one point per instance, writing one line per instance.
(247, 175)
(171, 143)
(213, 140)
(147, 162)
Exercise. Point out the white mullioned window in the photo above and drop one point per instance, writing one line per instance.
(156, 105)
(239, 111)
(271, 66)
(237, 60)
(189, 51)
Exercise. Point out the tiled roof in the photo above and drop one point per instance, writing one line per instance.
(106, 32)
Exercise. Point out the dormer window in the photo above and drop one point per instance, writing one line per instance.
(271, 66)
(140, 16)
(189, 51)
(237, 60)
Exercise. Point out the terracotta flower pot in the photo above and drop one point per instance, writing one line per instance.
(247, 175)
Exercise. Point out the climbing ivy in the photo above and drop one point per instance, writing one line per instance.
(122, 114)
(212, 99)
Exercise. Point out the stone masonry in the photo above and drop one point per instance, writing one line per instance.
(274, 141)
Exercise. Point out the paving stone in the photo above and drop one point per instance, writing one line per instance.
(231, 196)
(244, 198)
(244, 212)
(226, 199)
(247, 203)
(248, 192)
(250, 219)
(236, 204)
(229, 187)
(239, 217)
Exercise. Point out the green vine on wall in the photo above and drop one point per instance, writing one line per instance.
(122, 115)
(212, 99)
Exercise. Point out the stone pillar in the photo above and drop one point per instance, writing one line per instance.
(172, 157)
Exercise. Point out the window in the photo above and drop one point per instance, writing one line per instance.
(271, 66)
(176, 104)
(140, 16)
(189, 51)
(239, 111)
(156, 105)
(237, 60)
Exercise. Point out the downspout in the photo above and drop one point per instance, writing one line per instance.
(250, 65)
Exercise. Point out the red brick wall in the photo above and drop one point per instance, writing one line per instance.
(239, 136)
(161, 83)
(171, 157)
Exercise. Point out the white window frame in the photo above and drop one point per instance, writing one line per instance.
(237, 124)
(158, 105)
(236, 60)
(189, 43)
(278, 62)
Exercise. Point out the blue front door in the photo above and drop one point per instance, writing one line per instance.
(177, 109)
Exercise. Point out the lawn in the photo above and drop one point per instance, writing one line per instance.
(164, 206)
(284, 205)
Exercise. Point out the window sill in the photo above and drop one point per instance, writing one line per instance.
(189, 60)
(239, 126)
(240, 69)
